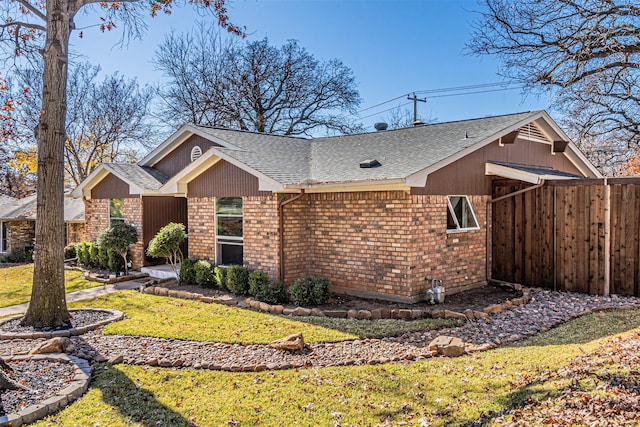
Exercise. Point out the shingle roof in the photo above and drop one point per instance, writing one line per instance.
(25, 209)
(401, 152)
(144, 177)
(538, 170)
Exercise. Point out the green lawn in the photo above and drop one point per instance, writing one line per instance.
(15, 284)
(155, 316)
(437, 392)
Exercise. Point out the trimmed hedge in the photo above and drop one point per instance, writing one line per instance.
(238, 279)
(187, 272)
(205, 274)
(310, 291)
(266, 290)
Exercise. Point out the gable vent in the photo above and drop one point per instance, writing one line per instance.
(366, 164)
(532, 131)
(196, 152)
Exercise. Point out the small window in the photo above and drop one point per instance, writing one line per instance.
(116, 211)
(460, 215)
(196, 152)
(229, 236)
(3, 237)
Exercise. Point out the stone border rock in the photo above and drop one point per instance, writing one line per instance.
(73, 391)
(116, 315)
(376, 314)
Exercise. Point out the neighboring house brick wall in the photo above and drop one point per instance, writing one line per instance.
(20, 234)
(76, 232)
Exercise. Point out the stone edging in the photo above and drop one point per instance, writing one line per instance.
(380, 313)
(116, 315)
(73, 391)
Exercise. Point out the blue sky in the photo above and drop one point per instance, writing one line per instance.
(394, 47)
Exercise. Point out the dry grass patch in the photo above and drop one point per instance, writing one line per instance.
(15, 284)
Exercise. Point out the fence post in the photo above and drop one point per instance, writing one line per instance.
(607, 238)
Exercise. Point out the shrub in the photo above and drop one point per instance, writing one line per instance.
(221, 277)
(205, 275)
(103, 257)
(20, 256)
(273, 292)
(166, 243)
(308, 291)
(257, 280)
(70, 251)
(187, 273)
(118, 238)
(94, 261)
(238, 279)
(116, 262)
(84, 255)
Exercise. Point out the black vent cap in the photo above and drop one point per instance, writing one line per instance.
(373, 163)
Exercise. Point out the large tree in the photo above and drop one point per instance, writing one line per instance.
(255, 86)
(106, 119)
(586, 51)
(44, 26)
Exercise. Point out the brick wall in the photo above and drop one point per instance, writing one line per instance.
(201, 231)
(96, 216)
(20, 234)
(261, 236)
(75, 232)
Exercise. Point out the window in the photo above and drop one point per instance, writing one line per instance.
(229, 239)
(116, 211)
(460, 216)
(3, 237)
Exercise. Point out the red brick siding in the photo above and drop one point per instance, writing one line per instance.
(20, 234)
(201, 230)
(75, 232)
(261, 236)
(97, 219)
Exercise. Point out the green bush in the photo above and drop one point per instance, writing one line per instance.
(70, 251)
(205, 275)
(257, 280)
(266, 290)
(84, 255)
(310, 291)
(117, 239)
(187, 272)
(94, 260)
(103, 257)
(20, 256)
(116, 262)
(221, 277)
(238, 279)
(166, 243)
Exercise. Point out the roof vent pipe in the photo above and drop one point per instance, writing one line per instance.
(381, 126)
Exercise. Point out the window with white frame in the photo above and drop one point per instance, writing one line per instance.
(460, 215)
(229, 237)
(116, 211)
(4, 242)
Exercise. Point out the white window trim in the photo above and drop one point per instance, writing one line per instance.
(452, 212)
(226, 240)
(3, 228)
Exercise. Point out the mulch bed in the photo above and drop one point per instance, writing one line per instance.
(43, 378)
(474, 299)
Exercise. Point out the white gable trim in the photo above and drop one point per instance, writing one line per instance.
(513, 173)
(100, 173)
(419, 179)
(177, 138)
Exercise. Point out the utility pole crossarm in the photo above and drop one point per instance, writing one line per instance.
(415, 100)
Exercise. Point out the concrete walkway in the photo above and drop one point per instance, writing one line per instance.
(77, 296)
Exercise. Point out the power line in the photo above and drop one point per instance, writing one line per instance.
(384, 111)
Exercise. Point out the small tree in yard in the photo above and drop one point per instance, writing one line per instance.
(118, 238)
(167, 243)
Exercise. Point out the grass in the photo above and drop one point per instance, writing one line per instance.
(192, 320)
(437, 392)
(15, 284)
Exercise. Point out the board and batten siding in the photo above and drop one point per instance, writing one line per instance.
(111, 187)
(180, 157)
(225, 180)
(467, 175)
(555, 236)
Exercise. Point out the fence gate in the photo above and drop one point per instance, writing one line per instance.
(561, 235)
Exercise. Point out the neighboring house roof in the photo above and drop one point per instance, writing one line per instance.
(406, 156)
(25, 209)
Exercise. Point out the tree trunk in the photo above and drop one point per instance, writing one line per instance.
(48, 306)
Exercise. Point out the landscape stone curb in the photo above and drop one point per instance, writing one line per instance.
(73, 391)
(116, 316)
(361, 314)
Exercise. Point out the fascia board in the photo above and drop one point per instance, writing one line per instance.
(84, 188)
(510, 173)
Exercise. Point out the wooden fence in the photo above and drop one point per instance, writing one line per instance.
(563, 236)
